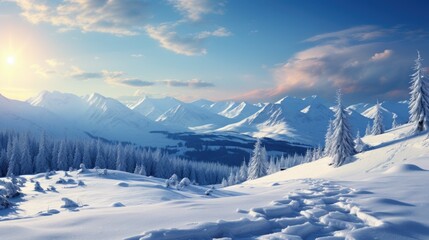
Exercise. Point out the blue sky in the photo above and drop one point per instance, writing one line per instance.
(249, 50)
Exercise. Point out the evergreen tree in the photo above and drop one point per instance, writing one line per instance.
(377, 126)
(15, 156)
(394, 121)
(77, 157)
(258, 162)
(26, 161)
(100, 161)
(62, 157)
(419, 97)
(328, 140)
(41, 161)
(86, 158)
(121, 162)
(360, 146)
(368, 129)
(243, 172)
(342, 140)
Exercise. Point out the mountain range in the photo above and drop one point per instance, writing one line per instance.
(291, 119)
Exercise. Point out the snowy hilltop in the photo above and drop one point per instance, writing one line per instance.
(366, 198)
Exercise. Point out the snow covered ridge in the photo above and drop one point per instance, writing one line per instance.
(380, 194)
(64, 114)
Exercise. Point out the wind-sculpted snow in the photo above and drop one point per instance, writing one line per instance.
(323, 211)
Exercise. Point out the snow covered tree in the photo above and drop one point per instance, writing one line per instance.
(26, 161)
(419, 97)
(360, 146)
(41, 161)
(14, 159)
(86, 158)
(328, 140)
(394, 121)
(242, 172)
(368, 129)
(100, 161)
(62, 157)
(342, 140)
(258, 162)
(121, 163)
(377, 126)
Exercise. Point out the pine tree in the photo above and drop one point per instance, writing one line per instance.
(360, 146)
(419, 97)
(100, 161)
(368, 129)
(328, 140)
(86, 158)
(377, 126)
(342, 140)
(62, 157)
(243, 172)
(26, 161)
(121, 162)
(258, 162)
(77, 157)
(394, 121)
(41, 161)
(15, 156)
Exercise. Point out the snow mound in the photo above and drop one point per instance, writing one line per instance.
(117, 204)
(403, 168)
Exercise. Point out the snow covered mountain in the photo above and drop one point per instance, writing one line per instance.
(153, 108)
(102, 117)
(367, 198)
(23, 117)
(188, 117)
(303, 120)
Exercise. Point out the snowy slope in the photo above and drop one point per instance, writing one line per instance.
(22, 117)
(153, 108)
(302, 120)
(388, 110)
(189, 117)
(240, 111)
(381, 194)
(100, 117)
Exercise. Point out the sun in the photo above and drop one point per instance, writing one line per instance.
(10, 60)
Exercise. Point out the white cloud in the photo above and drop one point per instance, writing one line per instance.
(194, 10)
(120, 78)
(382, 55)
(119, 17)
(344, 64)
(189, 45)
(193, 83)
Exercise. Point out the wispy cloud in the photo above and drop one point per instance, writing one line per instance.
(79, 74)
(189, 45)
(382, 55)
(137, 55)
(193, 83)
(194, 10)
(119, 17)
(42, 71)
(359, 33)
(120, 78)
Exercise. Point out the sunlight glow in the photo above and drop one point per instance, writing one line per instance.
(10, 60)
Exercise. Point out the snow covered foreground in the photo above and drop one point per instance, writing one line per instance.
(381, 194)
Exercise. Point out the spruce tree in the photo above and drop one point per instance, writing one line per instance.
(368, 129)
(419, 97)
(328, 140)
(394, 121)
(377, 126)
(258, 162)
(342, 140)
(41, 161)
